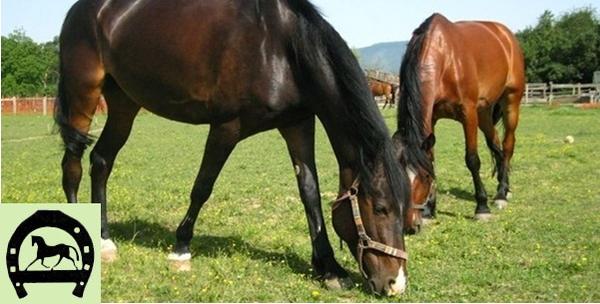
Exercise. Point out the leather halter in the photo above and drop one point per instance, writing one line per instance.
(364, 241)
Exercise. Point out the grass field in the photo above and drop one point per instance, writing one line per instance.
(251, 241)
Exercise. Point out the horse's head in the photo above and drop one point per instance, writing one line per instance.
(422, 181)
(36, 239)
(368, 217)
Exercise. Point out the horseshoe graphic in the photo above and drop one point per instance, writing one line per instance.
(56, 219)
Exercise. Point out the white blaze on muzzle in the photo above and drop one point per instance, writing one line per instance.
(399, 285)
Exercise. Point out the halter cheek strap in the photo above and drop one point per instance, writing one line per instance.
(364, 241)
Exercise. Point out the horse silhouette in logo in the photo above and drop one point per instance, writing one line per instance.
(45, 251)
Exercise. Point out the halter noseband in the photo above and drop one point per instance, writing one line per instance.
(364, 241)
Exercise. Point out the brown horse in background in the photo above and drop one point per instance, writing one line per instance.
(381, 88)
(471, 72)
(243, 67)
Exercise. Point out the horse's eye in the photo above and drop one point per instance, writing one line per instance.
(380, 209)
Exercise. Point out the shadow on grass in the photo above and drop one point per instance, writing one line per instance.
(454, 215)
(460, 194)
(156, 236)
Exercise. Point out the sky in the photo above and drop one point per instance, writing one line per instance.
(360, 22)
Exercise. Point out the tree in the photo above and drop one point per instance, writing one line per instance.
(28, 68)
(565, 49)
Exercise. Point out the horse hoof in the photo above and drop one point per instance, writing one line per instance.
(180, 262)
(500, 203)
(108, 251)
(338, 283)
(483, 217)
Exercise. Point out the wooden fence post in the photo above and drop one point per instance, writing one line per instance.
(14, 105)
(526, 93)
(544, 91)
(45, 105)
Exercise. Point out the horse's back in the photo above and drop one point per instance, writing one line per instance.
(483, 53)
(195, 61)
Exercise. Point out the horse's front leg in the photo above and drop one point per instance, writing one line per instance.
(42, 262)
(470, 126)
(300, 141)
(59, 260)
(121, 114)
(221, 141)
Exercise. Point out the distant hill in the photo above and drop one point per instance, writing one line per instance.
(383, 56)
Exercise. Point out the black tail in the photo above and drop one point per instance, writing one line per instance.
(410, 116)
(317, 47)
(497, 113)
(76, 252)
(73, 139)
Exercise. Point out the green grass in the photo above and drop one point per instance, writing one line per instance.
(251, 241)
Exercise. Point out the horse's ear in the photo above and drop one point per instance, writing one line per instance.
(428, 143)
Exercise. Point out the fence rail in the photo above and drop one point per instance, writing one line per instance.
(534, 93)
(553, 92)
(35, 105)
(383, 76)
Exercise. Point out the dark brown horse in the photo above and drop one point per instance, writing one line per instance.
(384, 89)
(242, 66)
(472, 72)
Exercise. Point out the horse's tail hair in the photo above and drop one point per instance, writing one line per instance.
(74, 140)
(497, 113)
(76, 252)
(317, 48)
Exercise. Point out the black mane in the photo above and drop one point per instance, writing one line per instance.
(410, 115)
(315, 45)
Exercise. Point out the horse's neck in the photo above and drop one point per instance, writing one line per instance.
(346, 154)
(41, 243)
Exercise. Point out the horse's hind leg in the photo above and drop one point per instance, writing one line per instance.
(510, 120)
(486, 125)
(300, 142)
(221, 141)
(81, 76)
(121, 113)
(69, 258)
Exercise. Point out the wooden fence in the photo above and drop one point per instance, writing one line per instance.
(36, 105)
(561, 93)
(534, 93)
(383, 76)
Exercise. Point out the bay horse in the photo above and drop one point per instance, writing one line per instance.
(471, 72)
(381, 88)
(44, 251)
(243, 67)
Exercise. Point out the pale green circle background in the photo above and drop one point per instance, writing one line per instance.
(11, 215)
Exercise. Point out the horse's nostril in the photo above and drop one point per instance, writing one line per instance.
(392, 282)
